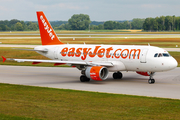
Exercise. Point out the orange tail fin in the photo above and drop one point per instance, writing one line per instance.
(48, 36)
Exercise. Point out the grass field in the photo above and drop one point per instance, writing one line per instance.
(125, 31)
(160, 42)
(154, 40)
(24, 102)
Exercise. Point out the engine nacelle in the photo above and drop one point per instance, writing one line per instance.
(98, 73)
(143, 73)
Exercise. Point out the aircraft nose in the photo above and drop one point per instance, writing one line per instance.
(173, 64)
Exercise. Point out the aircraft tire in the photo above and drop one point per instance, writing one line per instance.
(120, 75)
(83, 78)
(151, 81)
(117, 75)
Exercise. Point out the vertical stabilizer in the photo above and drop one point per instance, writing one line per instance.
(48, 36)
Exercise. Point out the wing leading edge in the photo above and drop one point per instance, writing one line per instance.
(61, 62)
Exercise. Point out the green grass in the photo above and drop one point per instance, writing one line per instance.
(154, 40)
(48, 103)
(9, 117)
(176, 55)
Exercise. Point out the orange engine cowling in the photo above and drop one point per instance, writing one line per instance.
(98, 73)
(143, 73)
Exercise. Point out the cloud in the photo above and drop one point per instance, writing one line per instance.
(64, 6)
(152, 6)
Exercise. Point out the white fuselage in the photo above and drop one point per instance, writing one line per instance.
(123, 57)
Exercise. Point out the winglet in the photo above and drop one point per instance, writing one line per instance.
(4, 59)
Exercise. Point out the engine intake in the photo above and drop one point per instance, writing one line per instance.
(97, 73)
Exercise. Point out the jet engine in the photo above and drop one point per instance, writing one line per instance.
(143, 73)
(97, 73)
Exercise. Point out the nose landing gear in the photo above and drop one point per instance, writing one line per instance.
(151, 80)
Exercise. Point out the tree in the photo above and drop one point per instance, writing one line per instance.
(3, 27)
(32, 26)
(155, 24)
(161, 22)
(137, 23)
(148, 24)
(168, 22)
(19, 26)
(177, 23)
(79, 22)
(13, 22)
(126, 25)
(100, 27)
(109, 25)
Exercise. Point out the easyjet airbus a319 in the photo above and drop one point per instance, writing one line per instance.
(96, 61)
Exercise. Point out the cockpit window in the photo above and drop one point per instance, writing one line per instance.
(156, 55)
(162, 55)
(166, 55)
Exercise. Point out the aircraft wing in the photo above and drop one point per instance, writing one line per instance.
(35, 61)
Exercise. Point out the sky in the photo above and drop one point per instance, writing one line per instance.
(98, 10)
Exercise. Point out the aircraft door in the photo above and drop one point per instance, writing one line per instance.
(56, 53)
(143, 55)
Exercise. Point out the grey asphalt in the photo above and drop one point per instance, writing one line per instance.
(167, 83)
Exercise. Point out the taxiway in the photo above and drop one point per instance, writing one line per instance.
(167, 83)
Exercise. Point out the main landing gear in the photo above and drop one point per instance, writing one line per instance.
(83, 78)
(151, 80)
(117, 75)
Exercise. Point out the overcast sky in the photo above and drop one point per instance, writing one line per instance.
(98, 10)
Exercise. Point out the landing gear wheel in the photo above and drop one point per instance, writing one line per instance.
(117, 75)
(151, 81)
(83, 78)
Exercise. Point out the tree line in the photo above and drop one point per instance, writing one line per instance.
(163, 23)
(82, 22)
(17, 25)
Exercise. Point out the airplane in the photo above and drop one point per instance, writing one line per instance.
(96, 61)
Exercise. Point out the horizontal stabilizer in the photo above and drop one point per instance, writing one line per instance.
(43, 50)
(4, 59)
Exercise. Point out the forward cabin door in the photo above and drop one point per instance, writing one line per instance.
(143, 55)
